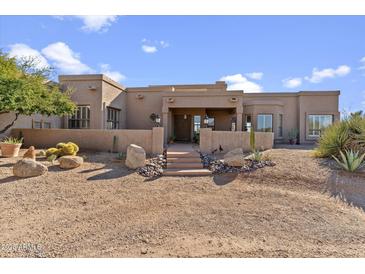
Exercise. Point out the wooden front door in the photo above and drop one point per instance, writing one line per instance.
(182, 127)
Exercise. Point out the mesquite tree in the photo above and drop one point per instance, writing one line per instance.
(25, 90)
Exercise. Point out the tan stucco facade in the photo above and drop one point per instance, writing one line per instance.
(228, 108)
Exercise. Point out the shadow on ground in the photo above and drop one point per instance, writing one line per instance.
(348, 187)
(9, 179)
(224, 179)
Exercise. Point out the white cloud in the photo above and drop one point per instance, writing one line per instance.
(164, 44)
(239, 82)
(292, 82)
(149, 46)
(64, 59)
(24, 51)
(93, 23)
(362, 61)
(115, 75)
(97, 23)
(318, 75)
(255, 75)
(149, 49)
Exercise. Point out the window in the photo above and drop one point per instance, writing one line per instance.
(81, 118)
(264, 122)
(37, 124)
(197, 122)
(280, 126)
(46, 125)
(317, 123)
(211, 122)
(113, 118)
(247, 122)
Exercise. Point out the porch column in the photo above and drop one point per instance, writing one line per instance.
(239, 114)
(165, 122)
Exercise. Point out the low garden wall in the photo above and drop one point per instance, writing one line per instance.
(95, 139)
(228, 140)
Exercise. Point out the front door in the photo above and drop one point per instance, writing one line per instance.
(182, 127)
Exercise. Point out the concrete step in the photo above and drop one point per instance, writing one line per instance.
(176, 154)
(186, 172)
(185, 160)
(185, 165)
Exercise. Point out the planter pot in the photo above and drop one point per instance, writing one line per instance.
(10, 150)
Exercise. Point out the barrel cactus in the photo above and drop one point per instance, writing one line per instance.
(60, 145)
(52, 151)
(62, 149)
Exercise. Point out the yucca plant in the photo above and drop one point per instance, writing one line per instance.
(350, 160)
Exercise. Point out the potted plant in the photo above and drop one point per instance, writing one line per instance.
(293, 136)
(172, 139)
(10, 146)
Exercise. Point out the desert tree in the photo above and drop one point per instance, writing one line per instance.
(25, 89)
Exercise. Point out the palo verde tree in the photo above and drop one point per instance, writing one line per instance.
(25, 89)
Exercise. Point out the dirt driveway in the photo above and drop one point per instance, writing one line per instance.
(103, 210)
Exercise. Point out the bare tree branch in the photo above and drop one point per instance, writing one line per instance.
(10, 125)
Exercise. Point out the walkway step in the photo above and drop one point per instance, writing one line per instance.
(185, 165)
(185, 160)
(190, 154)
(186, 172)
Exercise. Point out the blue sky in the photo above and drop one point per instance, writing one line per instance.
(254, 53)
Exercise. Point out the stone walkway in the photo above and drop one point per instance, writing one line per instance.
(184, 160)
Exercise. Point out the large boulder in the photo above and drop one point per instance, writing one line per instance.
(29, 168)
(69, 161)
(136, 156)
(235, 157)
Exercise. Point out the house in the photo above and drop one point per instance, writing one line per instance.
(184, 109)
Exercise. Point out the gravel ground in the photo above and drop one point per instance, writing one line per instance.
(104, 210)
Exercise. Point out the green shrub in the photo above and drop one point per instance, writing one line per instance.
(348, 134)
(350, 161)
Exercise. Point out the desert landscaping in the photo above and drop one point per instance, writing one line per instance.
(104, 209)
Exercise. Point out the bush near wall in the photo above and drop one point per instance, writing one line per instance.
(348, 134)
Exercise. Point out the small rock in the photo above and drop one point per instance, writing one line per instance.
(68, 162)
(30, 153)
(29, 168)
(144, 250)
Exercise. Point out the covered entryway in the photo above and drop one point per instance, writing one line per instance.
(182, 129)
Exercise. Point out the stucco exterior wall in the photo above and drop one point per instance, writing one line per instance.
(95, 139)
(83, 95)
(113, 96)
(228, 140)
(315, 104)
(25, 121)
(141, 104)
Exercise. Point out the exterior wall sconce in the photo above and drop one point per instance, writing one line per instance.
(139, 96)
(206, 120)
(158, 120)
(185, 117)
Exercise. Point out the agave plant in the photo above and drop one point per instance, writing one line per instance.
(12, 140)
(256, 155)
(350, 160)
